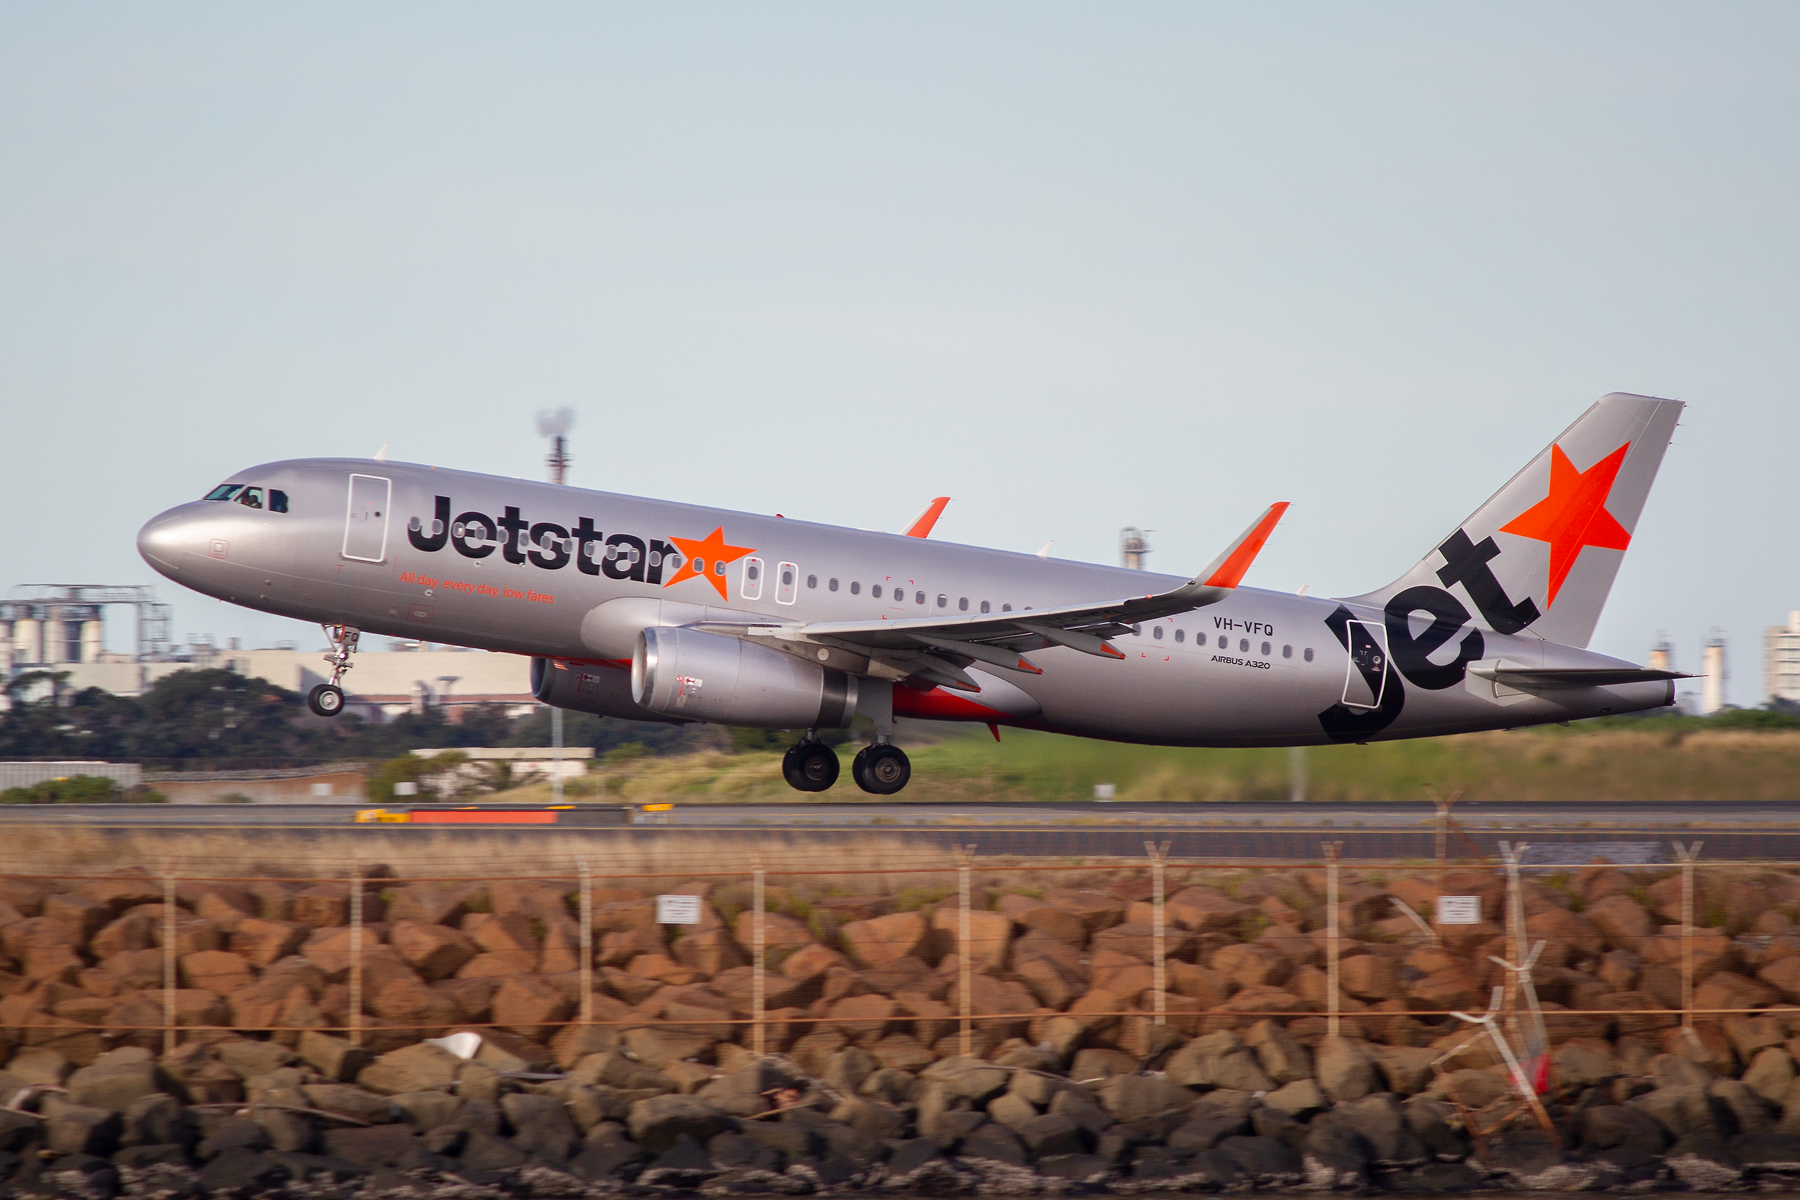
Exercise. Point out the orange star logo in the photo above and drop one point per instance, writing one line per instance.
(706, 559)
(1574, 514)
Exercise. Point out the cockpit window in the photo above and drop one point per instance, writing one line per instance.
(251, 498)
(277, 501)
(224, 491)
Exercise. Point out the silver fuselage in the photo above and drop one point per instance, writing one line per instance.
(1258, 668)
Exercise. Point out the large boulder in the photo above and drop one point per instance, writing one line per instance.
(416, 1068)
(114, 1086)
(1343, 1069)
(1620, 920)
(658, 1122)
(990, 933)
(434, 951)
(1218, 1060)
(880, 940)
(1146, 1100)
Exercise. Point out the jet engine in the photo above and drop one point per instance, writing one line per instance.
(683, 673)
(603, 691)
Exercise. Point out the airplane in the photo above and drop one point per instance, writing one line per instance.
(651, 610)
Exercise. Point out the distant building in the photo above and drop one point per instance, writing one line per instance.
(1781, 660)
(1712, 666)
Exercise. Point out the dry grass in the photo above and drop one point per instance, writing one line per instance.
(867, 864)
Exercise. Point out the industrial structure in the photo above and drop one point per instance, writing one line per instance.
(60, 629)
(1134, 548)
(1712, 667)
(45, 624)
(1781, 660)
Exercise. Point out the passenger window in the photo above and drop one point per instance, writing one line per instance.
(812, 581)
(1137, 631)
(944, 601)
(984, 606)
(1287, 652)
(278, 503)
(1006, 608)
(1309, 654)
(1243, 645)
(1265, 650)
(918, 597)
(962, 605)
(875, 590)
(224, 491)
(832, 585)
(252, 498)
(787, 575)
(1156, 632)
(1222, 642)
(752, 589)
(855, 587)
(1181, 635)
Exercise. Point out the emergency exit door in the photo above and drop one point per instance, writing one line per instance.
(1366, 676)
(366, 523)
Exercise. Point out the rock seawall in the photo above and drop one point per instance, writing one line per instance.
(1070, 1084)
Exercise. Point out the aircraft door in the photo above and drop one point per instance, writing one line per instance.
(1366, 676)
(366, 523)
(751, 588)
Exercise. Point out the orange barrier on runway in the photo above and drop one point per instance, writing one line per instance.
(478, 817)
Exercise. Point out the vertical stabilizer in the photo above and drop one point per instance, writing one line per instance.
(1541, 555)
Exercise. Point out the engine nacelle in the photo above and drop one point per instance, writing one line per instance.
(706, 677)
(603, 691)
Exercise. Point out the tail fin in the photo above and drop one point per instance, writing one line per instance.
(1542, 553)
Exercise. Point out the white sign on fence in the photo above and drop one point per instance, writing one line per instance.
(678, 910)
(1459, 910)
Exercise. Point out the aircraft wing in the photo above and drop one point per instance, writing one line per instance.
(938, 648)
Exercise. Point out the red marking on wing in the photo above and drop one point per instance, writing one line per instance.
(923, 523)
(1232, 572)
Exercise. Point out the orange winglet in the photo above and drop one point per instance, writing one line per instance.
(923, 523)
(1230, 571)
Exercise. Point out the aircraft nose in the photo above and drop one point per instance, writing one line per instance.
(164, 539)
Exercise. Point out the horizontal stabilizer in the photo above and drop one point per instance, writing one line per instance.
(1539, 678)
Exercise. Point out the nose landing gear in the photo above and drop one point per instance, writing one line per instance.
(881, 769)
(810, 766)
(327, 699)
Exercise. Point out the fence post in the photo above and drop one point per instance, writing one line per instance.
(587, 940)
(967, 975)
(356, 956)
(1331, 936)
(1687, 854)
(1158, 962)
(758, 1035)
(170, 979)
(1515, 929)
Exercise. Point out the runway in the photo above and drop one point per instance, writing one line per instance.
(1389, 831)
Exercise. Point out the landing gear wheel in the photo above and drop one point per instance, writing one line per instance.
(810, 767)
(326, 700)
(881, 770)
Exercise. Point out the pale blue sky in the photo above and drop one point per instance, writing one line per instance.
(1077, 266)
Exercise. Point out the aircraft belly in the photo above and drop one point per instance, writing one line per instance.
(1180, 697)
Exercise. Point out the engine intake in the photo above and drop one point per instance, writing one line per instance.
(698, 676)
(603, 691)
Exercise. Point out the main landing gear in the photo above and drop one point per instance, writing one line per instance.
(327, 700)
(881, 769)
(812, 766)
